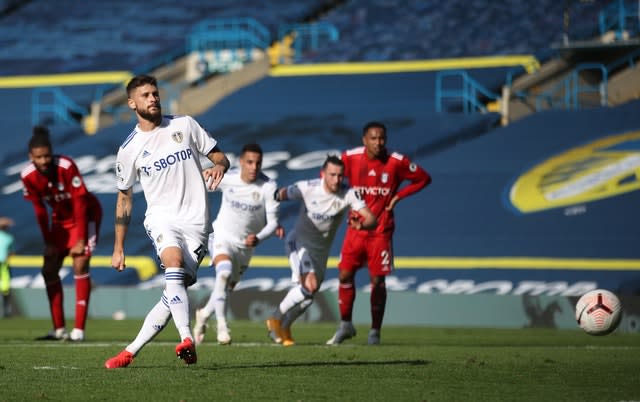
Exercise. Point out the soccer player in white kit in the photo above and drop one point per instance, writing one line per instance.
(163, 153)
(324, 204)
(248, 215)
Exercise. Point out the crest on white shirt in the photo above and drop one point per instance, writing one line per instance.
(177, 137)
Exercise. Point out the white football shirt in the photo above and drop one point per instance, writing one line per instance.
(246, 208)
(166, 161)
(322, 212)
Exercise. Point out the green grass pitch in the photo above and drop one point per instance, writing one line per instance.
(411, 364)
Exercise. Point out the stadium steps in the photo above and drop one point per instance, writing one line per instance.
(624, 86)
(526, 88)
(192, 99)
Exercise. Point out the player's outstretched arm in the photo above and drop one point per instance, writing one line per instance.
(251, 240)
(124, 204)
(281, 194)
(42, 216)
(363, 219)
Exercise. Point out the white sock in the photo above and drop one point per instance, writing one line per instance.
(218, 299)
(295, 312)
(155, 322)
(293, 297)
(178, 300)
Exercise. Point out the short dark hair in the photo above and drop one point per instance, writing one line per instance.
(140, 80)
(374, 124)
(334, 160)
(252, 147)
(40, 138)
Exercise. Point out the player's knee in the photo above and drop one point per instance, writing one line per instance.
(50, 271)
(222, 274)
(81, 265)
(172, 257)
(378, 284)
(49, 275)
(309, 282)
(309, 289)
(307, 293)
(345, 277)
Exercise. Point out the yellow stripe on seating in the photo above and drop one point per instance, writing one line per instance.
(29, 81)
(528, 62)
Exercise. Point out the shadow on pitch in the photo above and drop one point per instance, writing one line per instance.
(354, 363)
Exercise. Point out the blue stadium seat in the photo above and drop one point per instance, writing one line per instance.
(379, 30)
(44, 37)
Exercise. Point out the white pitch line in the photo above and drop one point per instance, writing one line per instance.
(88, 344)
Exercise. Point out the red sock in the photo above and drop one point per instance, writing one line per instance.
(83, 291)
(378, 303)
(54, 293)
(346, 297)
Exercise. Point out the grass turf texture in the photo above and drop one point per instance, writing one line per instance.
(411, 364)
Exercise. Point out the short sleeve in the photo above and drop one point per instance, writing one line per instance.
(294, 191)
(125, 170)
(355, 200)
(203, 140)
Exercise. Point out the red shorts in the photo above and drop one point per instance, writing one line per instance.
(374, 251)
(66, 236)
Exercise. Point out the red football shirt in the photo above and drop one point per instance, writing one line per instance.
(379, 180)
(64, 191)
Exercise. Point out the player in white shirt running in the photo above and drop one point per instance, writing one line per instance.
(163, 153)
(324, 204)
(248, 215)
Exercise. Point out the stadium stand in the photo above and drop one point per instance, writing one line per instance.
(44, 37)
(96, 39)
(422, 30)
(105, 37)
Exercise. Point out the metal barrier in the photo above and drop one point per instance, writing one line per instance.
(628, 61)
(228, 33)
(51, 105)
(467, 92)
(309, 36)
(568, 93)
(616, 15)
(225, 44)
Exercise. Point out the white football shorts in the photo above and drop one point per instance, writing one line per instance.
(240, 255)
(303, 260)
(192, 241)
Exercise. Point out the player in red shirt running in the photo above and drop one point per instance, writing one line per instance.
(71, 230)
(377, 175)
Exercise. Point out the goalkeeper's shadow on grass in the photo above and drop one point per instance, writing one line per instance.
(416, 362)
